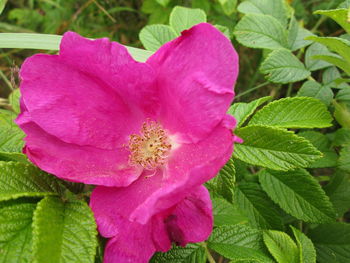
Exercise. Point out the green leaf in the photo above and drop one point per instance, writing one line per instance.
(338, 190)
(192, 253)
(261, 31)
(18, 180)
(228, 6)
(242, 111)
(154, 36)
(344, 159)
(274, 148)
(281, 246)
(226, 213)
(297, 35)
(335, 60)
(315, 64)
(52, 42)
(338, 15)
(341, 137)
(315, 90)
(323, 144)
(254, 202)
(72, 232)
(275, 8)
(239, 242)
(299, 194)
(163, 2)
(14, 100)
(339, 45)
(331, 242)
(223, 184)
(283, 67)
(307, 252)
(342, 114)
(223, 29)
(297, 112)
(2, 5)
(11, 136)
(16, 231)
(344, 95)
(182, 18)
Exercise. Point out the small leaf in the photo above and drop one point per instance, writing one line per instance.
(299, 194)
(11, 136)
(242, 111)
(14, 100)
(239, 243)
(322, 143)
(315, 64)
(182, 18)
(276, 8)
(315, 90)
(331, 242)
(339, 45)
(254, 202)
(261, 31)
(72, 232)
(192, 253)
(16, 231)
(283, 67)
(344, 159)
(341, 137)
(281, 246)
(297, 35)
(226, 213)
(297, 112)
(223, 184)
(18, 180)
(154, 36)
(335, 60)
(338, 190)
(342, 114)
(307, 252)
(274, 148)
(228, 6)
(338, 15)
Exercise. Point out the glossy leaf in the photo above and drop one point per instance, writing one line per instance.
(299, 194)
(297, 112)
(274, 148)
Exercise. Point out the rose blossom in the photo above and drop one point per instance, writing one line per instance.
(150, 134)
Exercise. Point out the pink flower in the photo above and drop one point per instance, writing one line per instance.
(149, 133)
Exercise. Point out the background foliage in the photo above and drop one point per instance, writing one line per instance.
(283, 197)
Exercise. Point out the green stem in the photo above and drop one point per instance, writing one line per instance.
(252, 89)
(3, 76)
(209, 256)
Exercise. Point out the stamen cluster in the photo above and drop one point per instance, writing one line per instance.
(151, 147)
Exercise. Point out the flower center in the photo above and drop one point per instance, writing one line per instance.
(149, 149)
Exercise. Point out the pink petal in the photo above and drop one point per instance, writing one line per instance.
(85, 164)
(195, 77)
(88, 95)
(133, 244)
(189, 167)
(192, 219)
